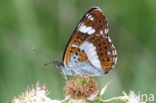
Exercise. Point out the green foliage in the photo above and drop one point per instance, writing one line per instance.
(48, 25)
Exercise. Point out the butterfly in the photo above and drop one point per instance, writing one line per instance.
(89, 51)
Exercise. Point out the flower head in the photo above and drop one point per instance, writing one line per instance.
(81, 88)
(34, 95)
(132, 97)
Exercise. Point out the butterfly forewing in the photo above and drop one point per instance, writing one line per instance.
(91, 44)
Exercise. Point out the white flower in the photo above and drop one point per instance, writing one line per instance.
(34, 95)
(132, 97)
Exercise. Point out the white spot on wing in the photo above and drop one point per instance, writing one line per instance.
(91, 18)
(113, 46)
(107, 23)
(109, 39)
(113, 51)
(106, 31)
(108, 52)
(91, 53)
(91, 31)
(115, 60)
(84, 29)
(87, 15)
(101, 32)
(74, 45)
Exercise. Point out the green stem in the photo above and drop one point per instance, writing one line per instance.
(123, 98)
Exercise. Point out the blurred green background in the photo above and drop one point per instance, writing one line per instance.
(48, 25)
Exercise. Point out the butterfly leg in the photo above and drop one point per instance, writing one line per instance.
(77, 72)
(64, 75)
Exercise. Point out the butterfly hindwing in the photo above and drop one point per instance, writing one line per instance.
(105, 50)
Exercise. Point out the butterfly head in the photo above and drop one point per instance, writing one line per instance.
(58, 64)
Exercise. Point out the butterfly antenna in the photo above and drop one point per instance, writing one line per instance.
(40, 52)
(43, 65)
